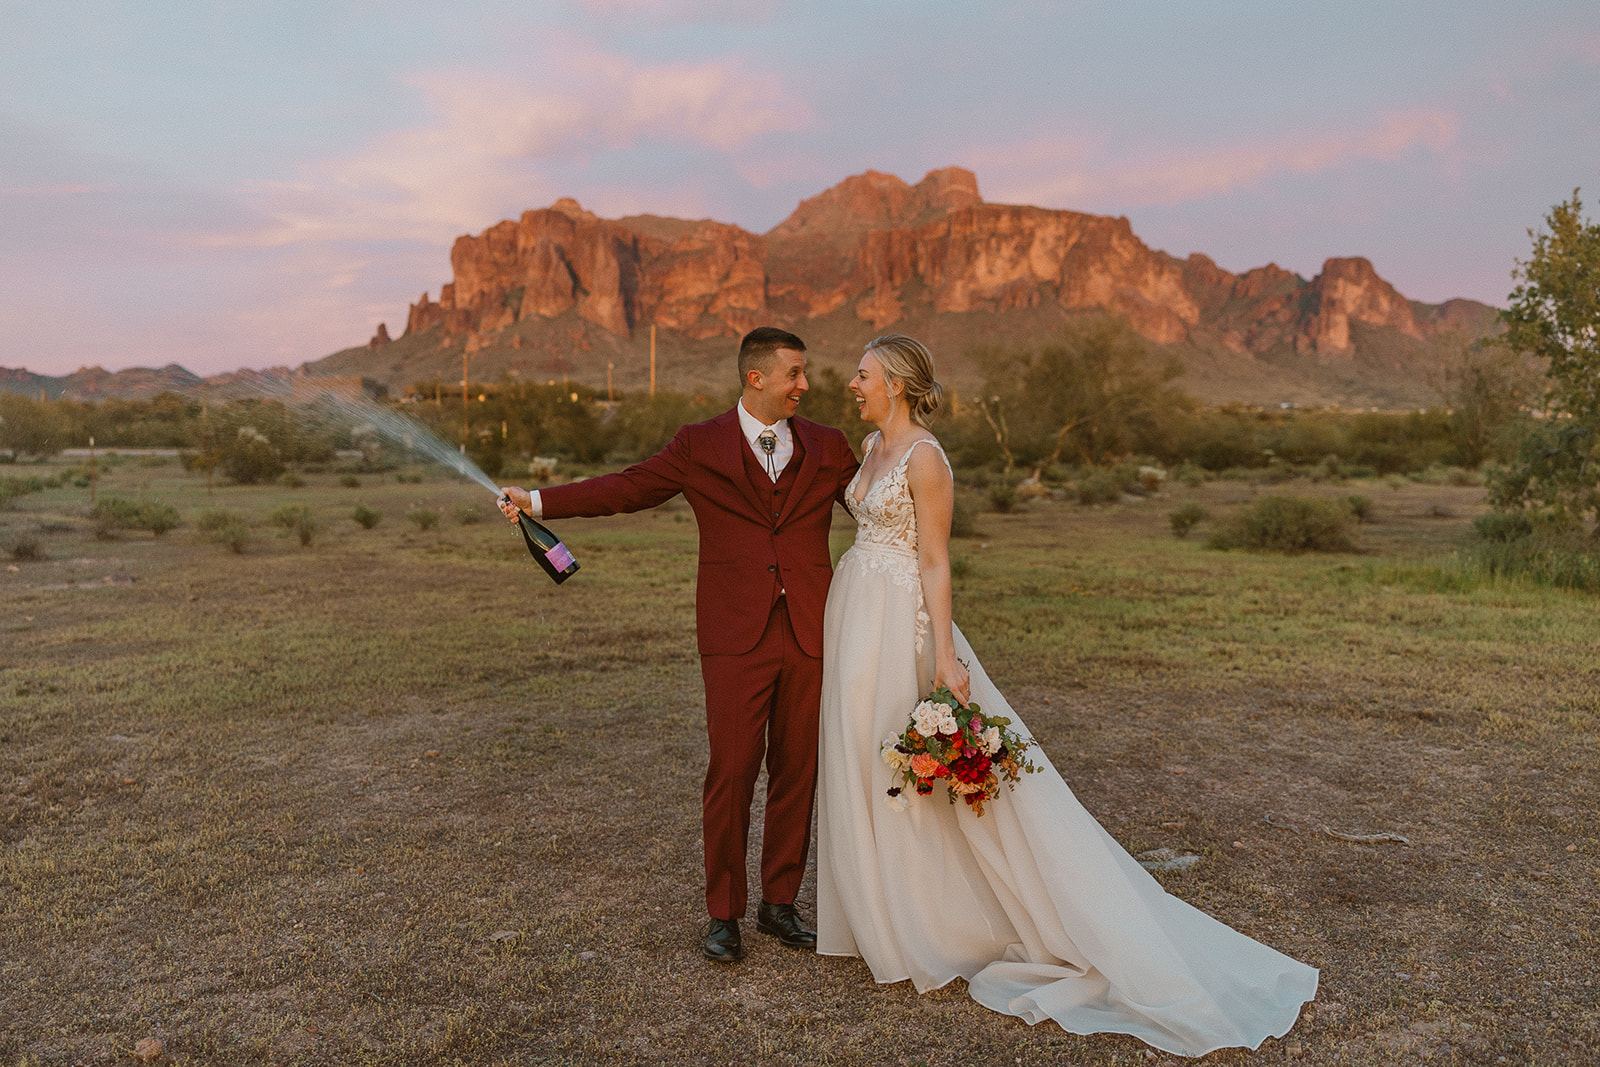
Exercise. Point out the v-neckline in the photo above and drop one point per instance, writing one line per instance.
(879, 480)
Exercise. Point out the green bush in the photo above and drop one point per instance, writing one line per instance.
(23, 549)
(1187, 518)
(297, 518)
(1563, 562)
(962, 523)
(1099, 485)
(1003, 496)
(350, 481)
(291, 480)
(12, 487)
(366, 517)
(423, 518)
(1360, 507)
(250, 457)
(1190, 475)
(468, 514)
(1503, 526)
(114, 513)
(223, 527)
(1292, 524)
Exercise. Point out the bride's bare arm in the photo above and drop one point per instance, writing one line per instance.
(933, 494)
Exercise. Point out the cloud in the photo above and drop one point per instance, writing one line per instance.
(1063, 172)
(492, 143)
(686, 12)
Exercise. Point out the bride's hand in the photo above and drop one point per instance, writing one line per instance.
(954, 677)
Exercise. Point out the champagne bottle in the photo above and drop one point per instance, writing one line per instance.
(546, 548)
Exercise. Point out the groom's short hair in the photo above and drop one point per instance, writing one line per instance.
(760, 345)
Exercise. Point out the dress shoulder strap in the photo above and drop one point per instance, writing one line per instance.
(870, 443)
(937, 447)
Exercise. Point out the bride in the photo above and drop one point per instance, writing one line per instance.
(1036, 906)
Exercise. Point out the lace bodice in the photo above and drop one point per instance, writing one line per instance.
(885, 515)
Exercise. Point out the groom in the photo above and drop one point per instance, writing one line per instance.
(762, 484)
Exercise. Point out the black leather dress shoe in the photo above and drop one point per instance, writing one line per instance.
(721, 942)
(785, 924)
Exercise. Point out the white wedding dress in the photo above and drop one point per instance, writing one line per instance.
(1034, 904)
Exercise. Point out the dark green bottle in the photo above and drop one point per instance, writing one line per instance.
(546, 548)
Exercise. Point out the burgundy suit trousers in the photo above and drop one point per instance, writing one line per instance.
(763, 703)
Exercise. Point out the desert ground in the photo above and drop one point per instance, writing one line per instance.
(393, 797)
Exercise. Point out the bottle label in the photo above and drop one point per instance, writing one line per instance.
(559, 557)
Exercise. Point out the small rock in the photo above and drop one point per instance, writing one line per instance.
(432, 753)
(505, 935)
(149, 1049)
(12, 568)
(1165, 859)
(589, 955)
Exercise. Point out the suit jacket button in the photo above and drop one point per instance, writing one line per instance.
(772, 568)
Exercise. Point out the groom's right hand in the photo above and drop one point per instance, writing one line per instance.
(512, 500)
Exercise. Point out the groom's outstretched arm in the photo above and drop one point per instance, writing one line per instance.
(643, 485)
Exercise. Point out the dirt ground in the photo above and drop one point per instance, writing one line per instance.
(394, 798)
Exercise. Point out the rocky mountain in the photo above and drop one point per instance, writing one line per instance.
(95, 383)
(562, 292)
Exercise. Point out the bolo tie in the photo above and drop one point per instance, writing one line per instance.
(768, 441)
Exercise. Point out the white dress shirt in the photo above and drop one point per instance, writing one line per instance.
(752, 428)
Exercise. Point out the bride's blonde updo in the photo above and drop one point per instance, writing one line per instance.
(908, 363)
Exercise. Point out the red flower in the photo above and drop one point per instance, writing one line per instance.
(924, 787)
(971, 769)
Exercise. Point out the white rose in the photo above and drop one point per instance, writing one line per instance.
(926, 716)
(991, 740)
(947, 721)
(893, 756)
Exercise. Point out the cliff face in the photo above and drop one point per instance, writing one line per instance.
(887, 250)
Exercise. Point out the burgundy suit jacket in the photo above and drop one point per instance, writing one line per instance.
(746, 555)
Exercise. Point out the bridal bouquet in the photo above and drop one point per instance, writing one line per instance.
(970, 751)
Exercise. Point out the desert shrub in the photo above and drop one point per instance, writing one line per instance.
(115, 513)
(24, 548)
(1187, 518)
(423, 518)
(291, 480)
(250, 457)
(350, 481)
(960, 566)
(297, 518)
(1003, 496)
(1292, 524)
(468, 514)
(962, 523)
(223, 527)
(1100, 486)
(1360, 507)
(1567, 562)
(366, 517)
(409, 477)
(1503, 526)
(12, 487)
(1190, 475)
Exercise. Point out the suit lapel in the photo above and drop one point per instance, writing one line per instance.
(731, 447)
(812, 441)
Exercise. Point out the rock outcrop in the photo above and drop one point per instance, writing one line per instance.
(886, 250)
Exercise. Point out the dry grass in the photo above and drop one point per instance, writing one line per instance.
(274, 807)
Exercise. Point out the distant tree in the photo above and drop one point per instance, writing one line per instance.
(1086, 395)
(1554, 318)
(1488, 389)
(30, 427)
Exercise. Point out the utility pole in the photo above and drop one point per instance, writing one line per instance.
(609, 394)
(91, 469)
(652, 359)
(465, 422)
